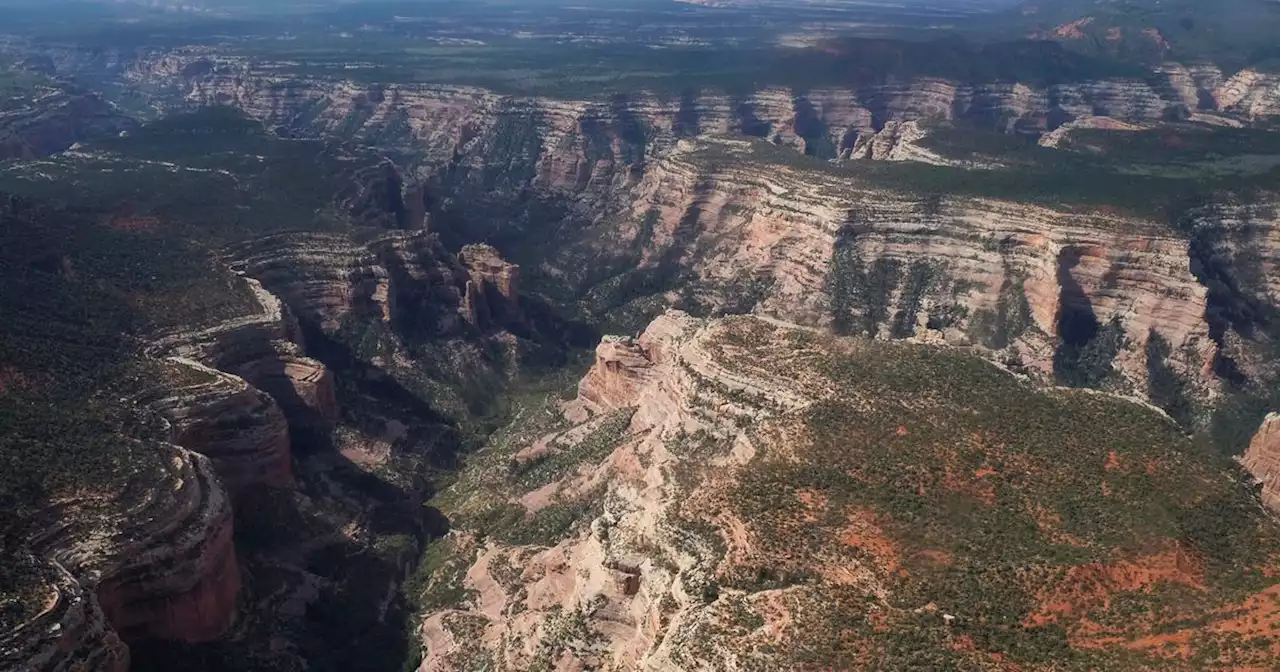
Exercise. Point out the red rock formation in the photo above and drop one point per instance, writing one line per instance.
(492, 287)
(140, 609)
(1262, 459)
(264, 349)
(70, 634)
(622, 368)
(172, 574)
(237, 426)
(302, 386)
(151, 558)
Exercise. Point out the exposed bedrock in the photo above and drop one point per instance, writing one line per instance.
(575, 135)
(265, 349)
(492, 294)
(404, 279)
(237, 426)
(623, 366)
(151, 559)
(967, 271)
(679, 383)
(1262, 459)
(71, 633)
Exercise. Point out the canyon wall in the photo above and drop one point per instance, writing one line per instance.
(240, 428)
(627, 180)
(154, 559)
(265, 350)
(151, 559)
(632, 172)
(826, 122)
(968, 271)
(1262, 459)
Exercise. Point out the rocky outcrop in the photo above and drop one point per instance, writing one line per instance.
(185, 587)
(827, 122)
(70, 633)
(264, 349)
(895, 142)
(661, 376)
(964, 270)
(237, 426)
(151, 559)
(759, 486)
(492, 295)
(623, 367)
(1262, 459)
(405, 279)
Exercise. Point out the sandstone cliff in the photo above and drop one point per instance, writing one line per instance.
(831, 122)
(237, 426)
(329, 278)
(265, 350)
(998, 274)
(742, 494)
(153, 559)
(1262, 459)
(967, 271)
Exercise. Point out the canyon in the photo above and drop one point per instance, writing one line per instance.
(848, 416)
(729, 421)
(824, 121)
(658, 175)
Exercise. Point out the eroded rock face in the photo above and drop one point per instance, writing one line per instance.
(574, 135)
(623, 366)
(965, 271)
(70, 634)
(492, 294)
(191, 594)
(240, 428)
(1262, 459)
(706, 533)
(152, 560)
(265, 350)
(404, 279)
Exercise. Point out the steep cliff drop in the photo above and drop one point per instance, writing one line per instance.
(745, 489)
(153, 559)
(263, 350)
(1262, 459)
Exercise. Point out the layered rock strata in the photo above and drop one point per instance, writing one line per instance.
(403, 278)
(1262, 459)
(825, 121)
(240, 428)
(949, 264)
(153, 559)
(735, 520)
(265, 350)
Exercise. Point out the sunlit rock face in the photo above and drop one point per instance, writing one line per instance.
(1262, 459)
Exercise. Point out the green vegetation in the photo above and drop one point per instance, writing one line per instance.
(985, 492)
(1089, 363)
(1165, 387)
(605, 436)
(859, 295)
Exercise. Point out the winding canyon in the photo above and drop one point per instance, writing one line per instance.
(486, 208)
